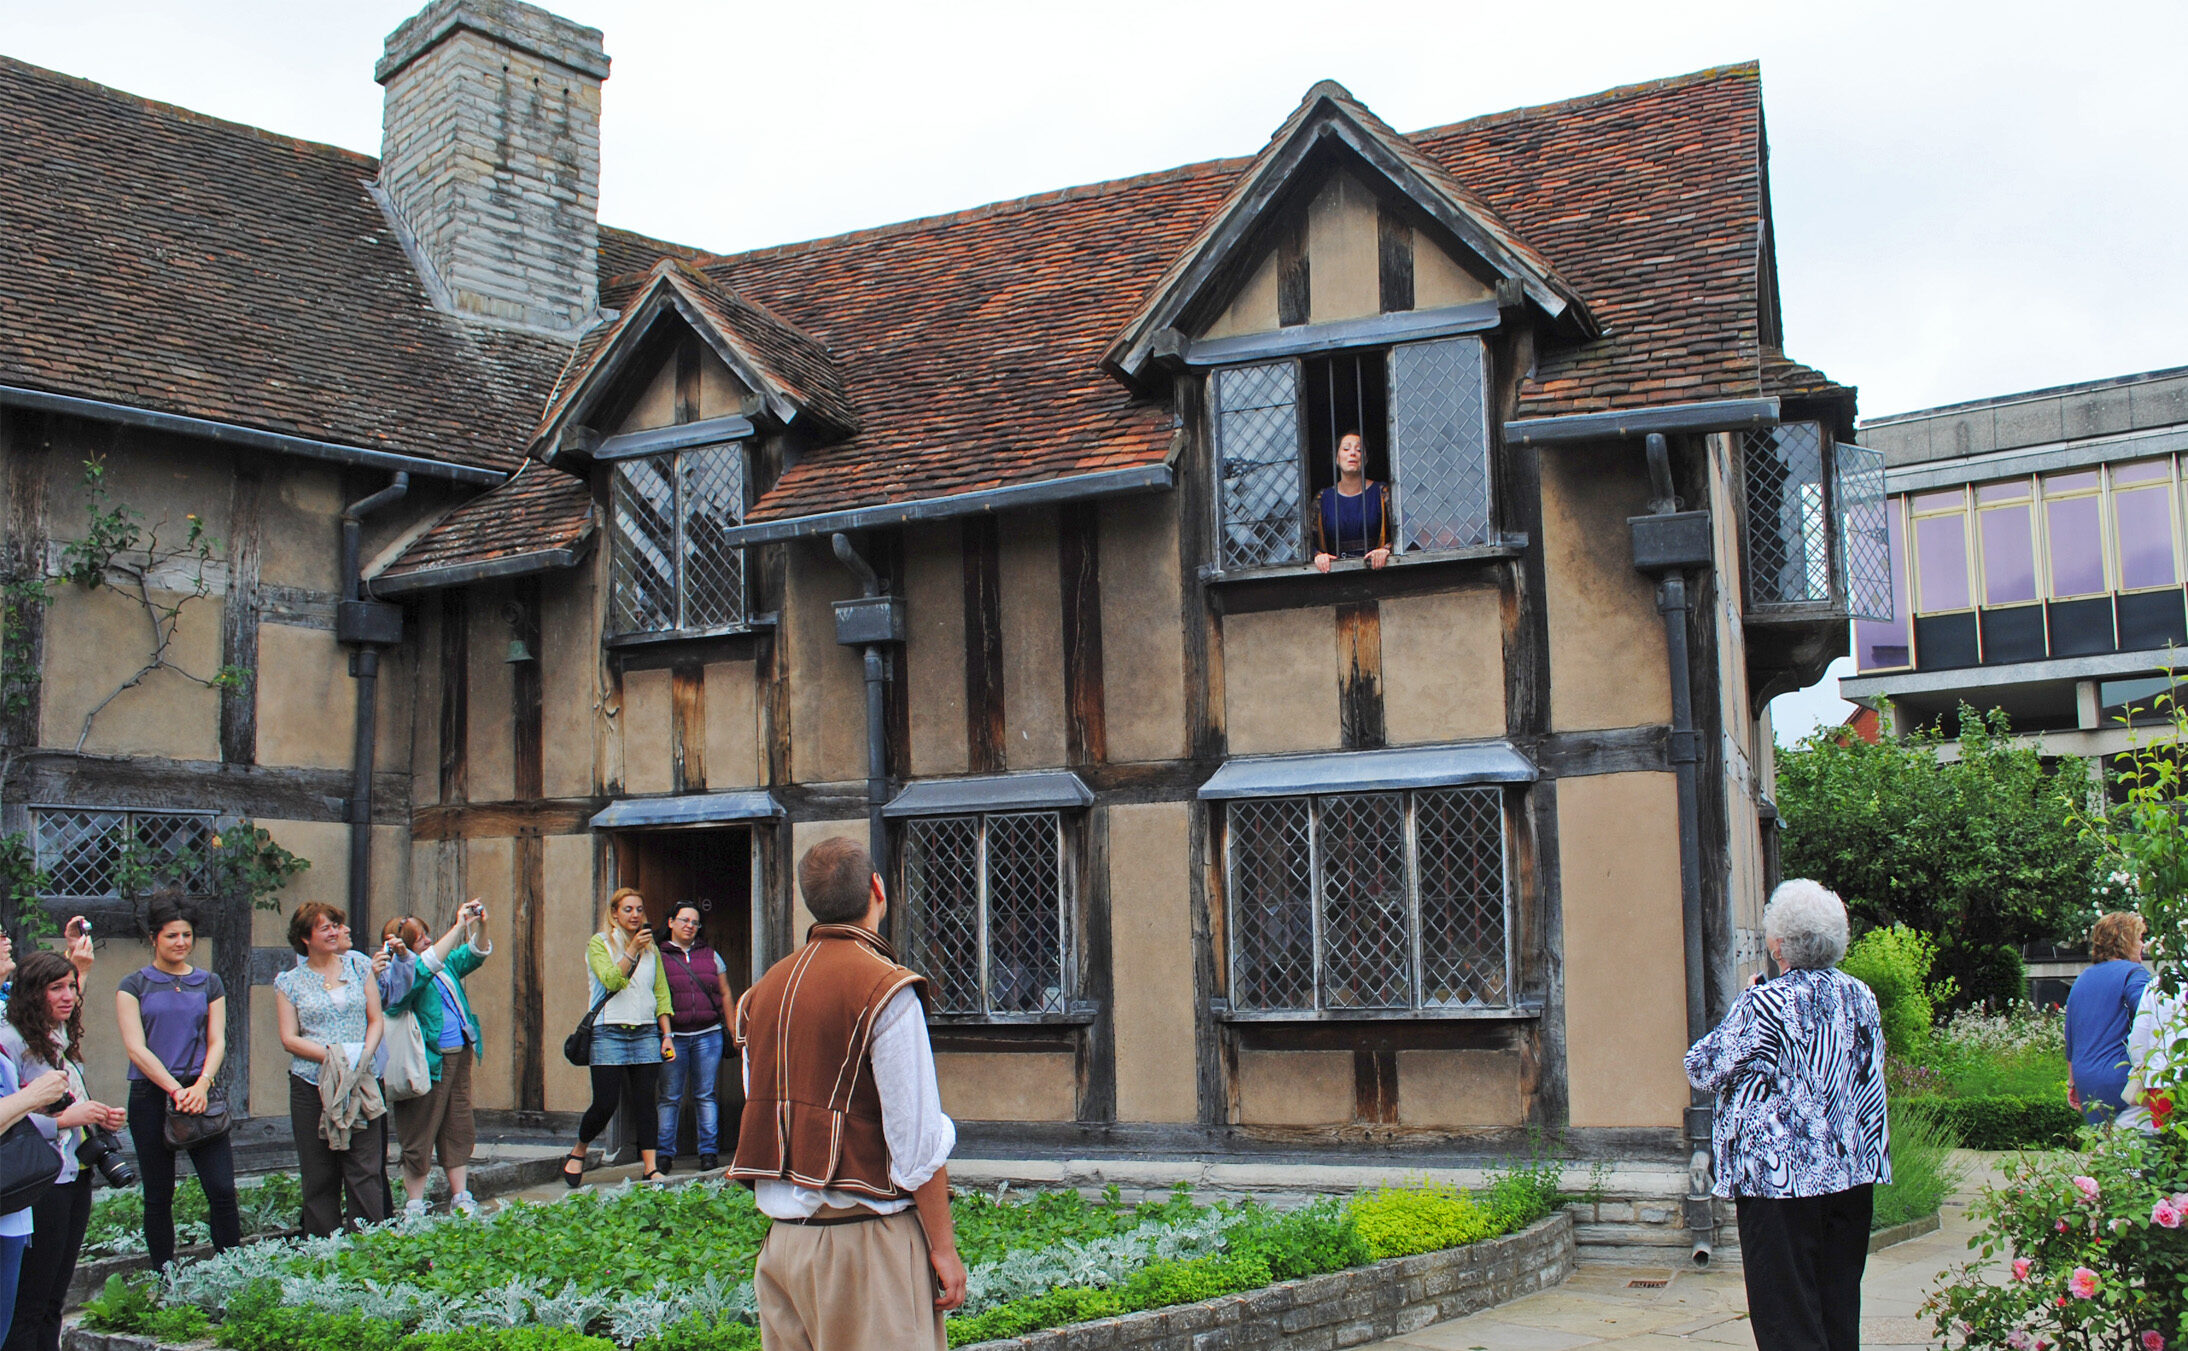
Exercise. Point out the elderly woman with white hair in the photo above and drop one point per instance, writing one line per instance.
(1798, 1070)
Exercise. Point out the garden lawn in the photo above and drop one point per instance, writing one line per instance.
(620, 1265)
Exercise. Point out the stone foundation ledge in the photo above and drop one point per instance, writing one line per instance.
(1320, 1313)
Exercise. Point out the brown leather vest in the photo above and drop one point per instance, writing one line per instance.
(812, 1114)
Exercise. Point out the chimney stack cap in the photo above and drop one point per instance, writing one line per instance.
(527, 28)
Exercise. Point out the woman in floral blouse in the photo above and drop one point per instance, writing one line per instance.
(328, 1007)
(1798, 1070)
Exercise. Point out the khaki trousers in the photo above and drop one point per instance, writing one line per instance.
(848, 1287)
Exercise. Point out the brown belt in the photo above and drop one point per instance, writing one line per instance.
(829, 1216)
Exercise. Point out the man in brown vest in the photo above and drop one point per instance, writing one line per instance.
(843, 1140)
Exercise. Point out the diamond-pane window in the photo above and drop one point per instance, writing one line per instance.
(82, 850)
(988, 896)
(1788, 519)
(1388, 902)
(1439, 440)
(1865, 532)
(672, 567)
(1257, 449)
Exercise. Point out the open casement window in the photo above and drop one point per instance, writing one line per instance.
(989, 898)
(89, 854)
(672, 570)
(1429, 423)
(1817, 528)
(1372, 902)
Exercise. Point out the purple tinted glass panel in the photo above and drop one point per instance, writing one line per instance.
(2142, 522)
(2077, 546)
(2079, 481)
(1941, 562)
(2009, 556)
(2148, 471)
(1944, 501)
(2002, 492)
(1880, 645)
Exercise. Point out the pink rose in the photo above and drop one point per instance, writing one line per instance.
(2060, 1225)
(2087, 1186)
(2021, 1267)
(2153, 1341)
(2082, 1284)
(2020, 1340)
(2165, 1214)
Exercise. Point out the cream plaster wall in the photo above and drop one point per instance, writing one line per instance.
(1460, 1089)
(657, 406)
(1607, 661)
(1295, 1088)
(1280, 681)
(1443, 667)
(803, 836)
(1151, 947)
(828, 680)
(569, 667)
(720, 392)
(733, 725)
(97, 639)
(1253, 309)
(1625, 1001)
(572, 913)
(1344, 252)
(326, 844)
(644, 725)
(1143, 640)
(490, 757)
(307, 703)
(1438, 280)
(1033, 643)
(489, 873)
(989, 1086)
(299, 526)
(934, 647)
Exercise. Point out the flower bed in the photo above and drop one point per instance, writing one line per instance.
(266, 1206)
(652, 1268)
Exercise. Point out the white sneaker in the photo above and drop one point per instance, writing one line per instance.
(414, 1209)
(464, 1203)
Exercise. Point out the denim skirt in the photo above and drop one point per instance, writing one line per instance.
(614, 1045)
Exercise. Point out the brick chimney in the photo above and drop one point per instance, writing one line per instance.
(490, 155)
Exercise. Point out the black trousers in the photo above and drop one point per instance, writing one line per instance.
(357, 1175)
(58, 1220)
(635, 1087)
(1804, 1256)
(214, 1163)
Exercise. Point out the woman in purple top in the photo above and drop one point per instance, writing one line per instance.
(174, 1025)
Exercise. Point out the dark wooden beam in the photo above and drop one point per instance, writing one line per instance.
(1213, 1053)
(455, 621)
(240, 616)
(1293, 288)
(505, 820)
(527, 976)
(1375, 1087)
(885, 554)
(1307, 588)
(1079, 565)
(1394, 258)
(1380, 1034)
(1526, 617)
(154, 783)
(687, 727)
(1097, 1060)
(687, 379)
(529, 754)
(1360, 676)
(1614, 750)
(1196, 546)
(981, 540)
(1549, 1097)
(25, 442)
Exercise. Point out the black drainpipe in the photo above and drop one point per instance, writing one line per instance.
(871, 622)
(1667, 543)
(368, 625)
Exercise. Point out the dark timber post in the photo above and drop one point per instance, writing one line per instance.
(871, 622)
(1669, 542)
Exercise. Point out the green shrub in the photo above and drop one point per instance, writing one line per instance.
(127, 1306)
(1923, 1173)
(2003, 1123)
(518, 1339)
(1313, 1239)
(697, 1335)
(1983, 975)
(1057, 1308)
(1401, 1221)
(256, 1321)
(1895, 964)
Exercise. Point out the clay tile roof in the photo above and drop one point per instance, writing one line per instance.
(535, 521)
(971, 343)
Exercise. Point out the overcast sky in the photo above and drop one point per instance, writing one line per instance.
(1970, 199)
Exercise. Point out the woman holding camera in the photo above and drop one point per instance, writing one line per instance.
(45, 1031)
(173, 1019)
(631, 1036)
(328, 1007)
(441, 1118)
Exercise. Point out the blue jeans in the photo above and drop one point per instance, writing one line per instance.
(698, 1063)
(11, 1266)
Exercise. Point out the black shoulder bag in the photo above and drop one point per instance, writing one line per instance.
(28, 1165)
(577, 1048)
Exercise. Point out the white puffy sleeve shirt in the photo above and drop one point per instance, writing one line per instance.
(920, 1137)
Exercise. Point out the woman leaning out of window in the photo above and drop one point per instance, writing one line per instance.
(329, 1010)
(441, 1118)
(173, 1026)
(45, 1031)
(631, 1037)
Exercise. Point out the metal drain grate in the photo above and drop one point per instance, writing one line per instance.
(1647, 1285)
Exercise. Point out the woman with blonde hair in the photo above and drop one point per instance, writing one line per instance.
(2100, 1010)
(631, 1036)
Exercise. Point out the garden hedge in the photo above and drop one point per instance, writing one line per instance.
(2004, 1123)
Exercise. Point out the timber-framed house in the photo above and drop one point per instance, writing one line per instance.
(985, 535)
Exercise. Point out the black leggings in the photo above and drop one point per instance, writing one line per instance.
(213, 1162)
(58, 1220)
(634, 1086)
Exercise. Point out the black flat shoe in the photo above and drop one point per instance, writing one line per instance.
(655, 1176)
(577, 1179)
(708, 1163)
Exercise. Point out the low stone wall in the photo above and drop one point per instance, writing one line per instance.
(1342, 1308)
(1320, 1313)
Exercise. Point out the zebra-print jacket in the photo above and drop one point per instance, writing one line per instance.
(1798, 1070)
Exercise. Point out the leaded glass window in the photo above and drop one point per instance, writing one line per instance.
(1788, 517)
(989, 902)
(1439, 439)
(672, 569)
(89, 854)
(1384, 902)
(1257, 448)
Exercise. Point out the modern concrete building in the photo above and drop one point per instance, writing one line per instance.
(2037, 559)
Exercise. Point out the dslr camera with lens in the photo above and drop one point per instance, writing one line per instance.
(102, 1151)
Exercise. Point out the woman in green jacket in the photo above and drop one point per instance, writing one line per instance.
(631, 1037)
(441, 1119)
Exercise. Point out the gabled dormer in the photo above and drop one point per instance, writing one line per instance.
(1348, 282)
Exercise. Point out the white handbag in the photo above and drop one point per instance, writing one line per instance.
(408, 1075)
